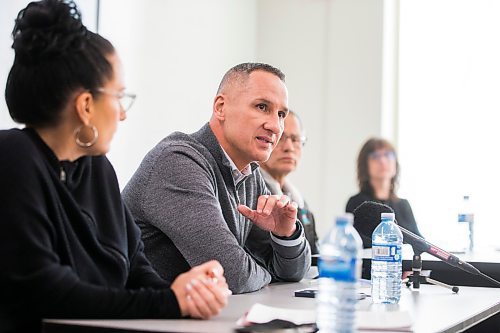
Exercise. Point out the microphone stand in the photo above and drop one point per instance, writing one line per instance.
(416, 278)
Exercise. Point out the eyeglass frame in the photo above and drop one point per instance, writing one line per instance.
(120, 95)
(302, 139)
(376, 156)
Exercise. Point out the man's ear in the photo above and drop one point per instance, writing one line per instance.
(84, 107)
(218, 110)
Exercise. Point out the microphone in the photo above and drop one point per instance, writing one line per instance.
(367, 218)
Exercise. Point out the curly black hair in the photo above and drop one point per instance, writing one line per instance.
(55, 55)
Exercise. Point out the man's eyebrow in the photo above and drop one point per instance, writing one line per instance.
(285, 109)
(263, 100)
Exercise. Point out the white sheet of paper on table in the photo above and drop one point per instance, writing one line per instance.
(394, 320)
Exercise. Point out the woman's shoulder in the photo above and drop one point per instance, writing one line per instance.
(356, 200)
(360, 197)
(14, 136)
(22, 160)
(402, 203)
(16, 145)
(102, 170)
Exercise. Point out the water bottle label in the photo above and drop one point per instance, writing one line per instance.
(338, 269)
(465, 218)
(384, 252)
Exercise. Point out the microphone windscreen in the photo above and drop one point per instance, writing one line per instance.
(367, 218)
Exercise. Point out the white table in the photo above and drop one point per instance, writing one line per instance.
(434, 309)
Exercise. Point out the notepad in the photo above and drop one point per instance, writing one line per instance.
(383, 321)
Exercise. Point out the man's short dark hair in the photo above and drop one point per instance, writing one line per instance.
(242, 71)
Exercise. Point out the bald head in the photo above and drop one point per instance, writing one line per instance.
(239, 74)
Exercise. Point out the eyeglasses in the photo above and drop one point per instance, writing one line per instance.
(126, 99)
(297, 140)
(377, 155)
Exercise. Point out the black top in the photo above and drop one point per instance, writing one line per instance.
(68, 246)
(401, 207)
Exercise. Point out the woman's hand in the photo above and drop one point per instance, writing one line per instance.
(202, 291)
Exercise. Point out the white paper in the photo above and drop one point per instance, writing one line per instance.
(391, 320)
(260, 314)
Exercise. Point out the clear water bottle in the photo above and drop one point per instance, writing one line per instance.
(466, 224)
(386, 261)
(339, 272)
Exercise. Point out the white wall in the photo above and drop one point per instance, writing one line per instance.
(331, 52)
(175, 52)
(8, 13)
(292, 36)
(449, 103)
(354, 93)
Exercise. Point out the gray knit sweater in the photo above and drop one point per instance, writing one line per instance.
(184, 199)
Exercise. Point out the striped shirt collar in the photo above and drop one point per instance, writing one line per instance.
(238, 175)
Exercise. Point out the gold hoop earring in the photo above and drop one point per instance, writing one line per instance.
(87, 144)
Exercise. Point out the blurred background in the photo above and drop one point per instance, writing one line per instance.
(424, 74)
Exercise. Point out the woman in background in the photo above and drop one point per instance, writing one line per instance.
(69, 248)
(378, 172)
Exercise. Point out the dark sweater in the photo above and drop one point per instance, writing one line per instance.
(184, 198)
(401, 207)
(69, 248)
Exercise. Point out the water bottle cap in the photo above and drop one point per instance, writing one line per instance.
(387, 216)
(346, 218)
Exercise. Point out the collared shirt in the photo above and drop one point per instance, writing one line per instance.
(237, 174)
(288, 188)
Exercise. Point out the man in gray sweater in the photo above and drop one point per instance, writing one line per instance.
(201, 196)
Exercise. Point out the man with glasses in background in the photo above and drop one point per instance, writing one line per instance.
(284, 160)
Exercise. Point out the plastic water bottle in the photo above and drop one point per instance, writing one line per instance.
(339, 271)
(466, 224)
(386, 261)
